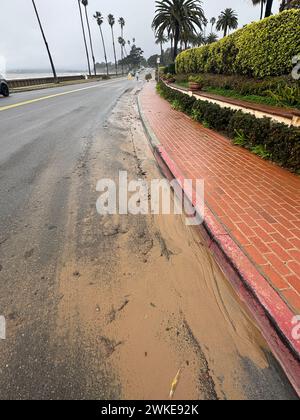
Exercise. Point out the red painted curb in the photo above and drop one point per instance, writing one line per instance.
(271, 313)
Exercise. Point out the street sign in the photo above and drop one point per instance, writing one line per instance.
(158, 60)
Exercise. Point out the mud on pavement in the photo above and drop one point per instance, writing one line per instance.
(136, 299)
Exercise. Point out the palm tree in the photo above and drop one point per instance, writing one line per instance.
(124, 47)
(211, 38)
(85, 4)
(121, 42)
(122, 24)
(178, 17)
(160, 40)
(227, 20)
(45, 40)
(186, 38)
(213, 21)
(112, 21)
(84, 39)
(262, 5)
(171, 39)
(99, 18)
(205, 26)
(269, 8)
(198, 40)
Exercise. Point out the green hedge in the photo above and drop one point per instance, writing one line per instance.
(270, 140)
(261, 49)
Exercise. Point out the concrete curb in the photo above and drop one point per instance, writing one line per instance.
(270, 312)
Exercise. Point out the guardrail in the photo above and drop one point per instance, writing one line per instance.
(19, 83)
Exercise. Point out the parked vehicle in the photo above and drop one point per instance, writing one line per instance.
(4, 89)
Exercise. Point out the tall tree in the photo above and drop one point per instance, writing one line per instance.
(262, 6)
(212, 21)
(269, 8)
(171, 39)
(121, 38)
(85, 4)
(99, 19)
(45, 40)
(178, 17)
(121, 42)
(211, 38)
(112, 21)
(84, 39)
(160, 40)
(198, 40)
(134, 58)
(227, 20)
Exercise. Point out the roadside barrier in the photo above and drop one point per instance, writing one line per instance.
(20, 83)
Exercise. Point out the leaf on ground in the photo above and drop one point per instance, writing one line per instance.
(175, 383)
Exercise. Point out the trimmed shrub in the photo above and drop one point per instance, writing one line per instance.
(262, 136)
(261, 49)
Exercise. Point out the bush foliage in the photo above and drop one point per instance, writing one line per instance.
(261, 49)
(262, 136)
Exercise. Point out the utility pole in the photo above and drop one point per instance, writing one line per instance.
(46, 43)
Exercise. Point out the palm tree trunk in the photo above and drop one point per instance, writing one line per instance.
(114, 45)
(91, 43)
(162, 53)
(269, 8)
(84, 38)
(104, 49)
(225, 31)
(46, 43)
(176, 41)
(262, 3)
(122, 63)
(122, 50)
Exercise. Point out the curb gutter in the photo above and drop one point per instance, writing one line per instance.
(270, 312)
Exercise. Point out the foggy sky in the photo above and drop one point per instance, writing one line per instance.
(22, 46)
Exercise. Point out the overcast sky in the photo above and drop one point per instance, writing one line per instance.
(22, 46)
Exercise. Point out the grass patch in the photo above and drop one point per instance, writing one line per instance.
(182, 84)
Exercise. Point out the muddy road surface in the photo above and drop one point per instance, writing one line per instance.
(111, 307)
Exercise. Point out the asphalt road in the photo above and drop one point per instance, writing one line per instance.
(100, 307)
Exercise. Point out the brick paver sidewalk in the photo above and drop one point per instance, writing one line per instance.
(257, 202)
